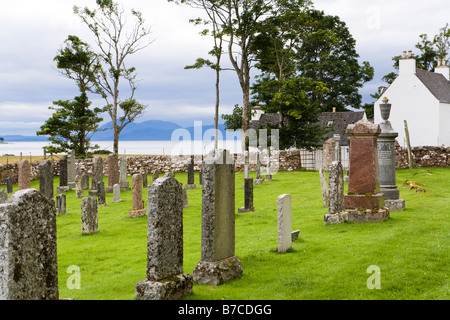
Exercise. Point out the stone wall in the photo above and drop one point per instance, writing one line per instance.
(422, 156)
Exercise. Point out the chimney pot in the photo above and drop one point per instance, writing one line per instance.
(334, 109)
(404, 54)
(409, 54)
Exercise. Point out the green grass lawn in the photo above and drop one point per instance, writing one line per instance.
(326, 262)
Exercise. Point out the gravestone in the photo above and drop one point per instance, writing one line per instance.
(63, 182)
(324, 187)
(165, 277)
(45, 170)
(28, 264)
(246, 164)
(328, 153)
(200, 177)
(138, 205)
(268, 173)
(71, 171)
(364, 202)
(258, 179)
(24, 175)
(218, 261)
(9, 185)
(155, 175)
(61, 204)
(116, 193)
(3, 196)
(89, 215)
(190, 173)
(101, 194)
(284, 222)
(336, 191)
(337, 147)
(144, 179)
(386, 161)
(185, 199)
(248, 196)
(97, 175)
(113, 172)
(85, 181)
(78, 187)
(123, 169)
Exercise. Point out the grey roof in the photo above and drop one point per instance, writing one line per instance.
(436, 83)
(338, 122)
(264, 119)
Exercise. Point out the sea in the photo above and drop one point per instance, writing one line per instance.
(172, 148)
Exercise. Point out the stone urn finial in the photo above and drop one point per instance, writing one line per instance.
(385, 109)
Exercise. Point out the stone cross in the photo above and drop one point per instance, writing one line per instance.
(248, 196)
(116, 193)
(71, 171)
(97, 175)
(113, 171)
(24, 176)
(165, 277)
(3, 196)
(101, 194)
(123, 169)
(218, 261)
(9, 185)
(28, 264)
(45, 170)
(190, 172)
(61, 204)
(89, 215)
(284, 223)
(138, 204)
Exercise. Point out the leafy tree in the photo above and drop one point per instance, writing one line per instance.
(70, 125)
(116, 42)
(233, 121)
(72, 122)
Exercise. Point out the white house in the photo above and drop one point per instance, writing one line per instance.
(422, 98)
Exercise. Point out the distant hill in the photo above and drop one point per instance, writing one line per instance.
(151, 130)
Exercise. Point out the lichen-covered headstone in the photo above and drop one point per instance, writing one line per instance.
(97, 175)
(165, 277)
(138, 205)
(284, 222)
(45, 170)
(248, 196)
(218, 261)
(101, 194)
(123, 172)
(89, 215)
(113, 172)
(24, 175)
(28, 258)
(61, 204)
(116, 193)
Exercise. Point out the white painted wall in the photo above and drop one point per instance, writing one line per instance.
(444, 124)
(411, 101)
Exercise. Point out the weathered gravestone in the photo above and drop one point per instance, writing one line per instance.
(61, 204)
(116, 193)
(268, 172)
(185, 199)
(248, 196)
(246, 164)
(113, 172)
(63, 184)
(24, 175)
(218, 261)
(89, 215)
(9, 185)
(45, 170)
(71, 170)
(165, 277)
(101, 194)
(85, 181)
(123, 169)
(78, 187)
(28, 258)
(336, 192)
(144, 179)
(155, 175)
(258, 179)
(190, 173)
(138, 204)
(3, 196)
(97, 175)
(324, 187)
(386, 161)
(364, 202)
(284, 203)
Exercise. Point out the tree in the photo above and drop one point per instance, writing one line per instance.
(72, 122)
(116, 42)
(70, 125)
(233, 121)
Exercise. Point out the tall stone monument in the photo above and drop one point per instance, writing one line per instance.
(113, 172)
(123, 168)
(89, 215)
(97, 175)
(258, 179)
(218, 261)
(386, 161)
(165, 277)
(284, 222)
(24, 175)
(248, 196)
(28, 264)
(138, 204)
(45, 170)
(71, 170)
(63, 180)
(364, 202)
(190, 172)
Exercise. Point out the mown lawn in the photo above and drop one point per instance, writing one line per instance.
(326, 262)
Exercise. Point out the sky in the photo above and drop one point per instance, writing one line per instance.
(31, 32)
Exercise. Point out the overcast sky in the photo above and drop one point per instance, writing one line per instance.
(32, 32)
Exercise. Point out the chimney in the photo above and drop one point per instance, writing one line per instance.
(407, 64)
(442, 68)
(334, 109)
